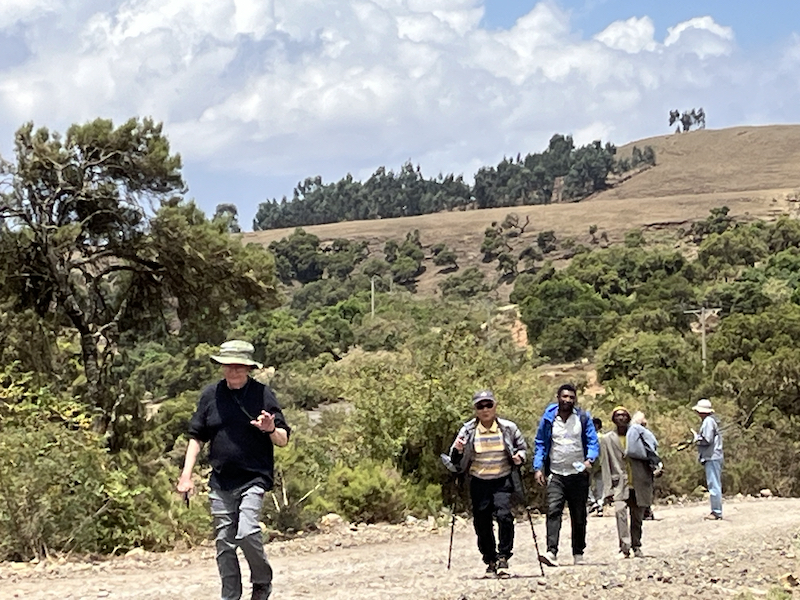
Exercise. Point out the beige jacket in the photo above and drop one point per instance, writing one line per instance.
(615, 473)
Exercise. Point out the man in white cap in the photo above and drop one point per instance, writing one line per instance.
(488, 449)
(709, 450)
(242, 421)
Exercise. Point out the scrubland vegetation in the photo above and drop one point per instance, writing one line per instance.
(109, 311)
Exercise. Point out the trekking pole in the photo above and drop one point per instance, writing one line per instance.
(535, 541)
(530, 520)
(450, 467)
(452, 531)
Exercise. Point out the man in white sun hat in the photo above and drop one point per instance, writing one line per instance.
(709, 450)
(242, 422)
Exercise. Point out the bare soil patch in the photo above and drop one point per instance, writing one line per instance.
(747, 553)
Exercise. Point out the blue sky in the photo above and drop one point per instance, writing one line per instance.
(757, 24)
(258, 94)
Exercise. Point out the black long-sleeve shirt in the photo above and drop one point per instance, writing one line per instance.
(240, 454)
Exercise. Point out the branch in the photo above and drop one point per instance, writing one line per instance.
(91, 164)
(86, 521)
(94, 257)
(749, 419)
(115, 268)
(307, 494)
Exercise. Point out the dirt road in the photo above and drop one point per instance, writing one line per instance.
(745, 554)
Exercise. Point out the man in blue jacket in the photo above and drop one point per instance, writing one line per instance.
(566, 448)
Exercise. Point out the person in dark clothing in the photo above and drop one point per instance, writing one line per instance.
(595, 503)
(627, 480)
(566, 447)
(242, 422)
(488, 449)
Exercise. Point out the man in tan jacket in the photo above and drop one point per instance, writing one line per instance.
(628, 482)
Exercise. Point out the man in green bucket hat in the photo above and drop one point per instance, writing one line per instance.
(242, 422)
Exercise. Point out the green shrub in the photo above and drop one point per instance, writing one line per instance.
(409, 405)
(51, 488)
(765, 455)
(61, 491)
(381, 333)
(634, 238)
(300, 390)
(666, 362)
(468, 284)
(424, 499)
(145, 511)
(303, 467)
(171, 420)
(369, 492)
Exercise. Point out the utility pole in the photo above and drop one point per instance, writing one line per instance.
(703, 313)
(372, 296)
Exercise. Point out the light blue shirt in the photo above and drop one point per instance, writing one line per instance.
(709, 440)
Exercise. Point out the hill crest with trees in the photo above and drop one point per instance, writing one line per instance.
(562, 172)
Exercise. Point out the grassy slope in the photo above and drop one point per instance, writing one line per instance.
(752, 170)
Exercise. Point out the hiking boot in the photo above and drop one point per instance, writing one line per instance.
(491, 568)
(261, 591)
(577, 559)
(637, 553)
(549, 559)
(502, 564)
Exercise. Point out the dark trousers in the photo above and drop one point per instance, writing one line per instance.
(572, 490)
(629, 538)
(491, 498)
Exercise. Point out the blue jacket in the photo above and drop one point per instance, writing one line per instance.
(544, 437)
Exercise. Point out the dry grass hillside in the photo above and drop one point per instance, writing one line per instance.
(739, 159)
(755, 171)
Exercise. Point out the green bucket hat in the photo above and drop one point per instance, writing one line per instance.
(236, 352)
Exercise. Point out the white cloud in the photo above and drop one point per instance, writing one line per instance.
(297, 88)
(424, 28)
(791, 56)
(20, 11)
(632, 36)
(598, 130)
(702, 23)
(701, 36)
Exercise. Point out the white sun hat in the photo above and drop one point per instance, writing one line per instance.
(236, 352)
(703, 406)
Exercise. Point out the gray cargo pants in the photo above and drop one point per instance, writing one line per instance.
(236, 515)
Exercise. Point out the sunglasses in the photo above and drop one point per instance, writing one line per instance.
(482, 405)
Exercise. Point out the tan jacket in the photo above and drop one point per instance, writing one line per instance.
(615, 473)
